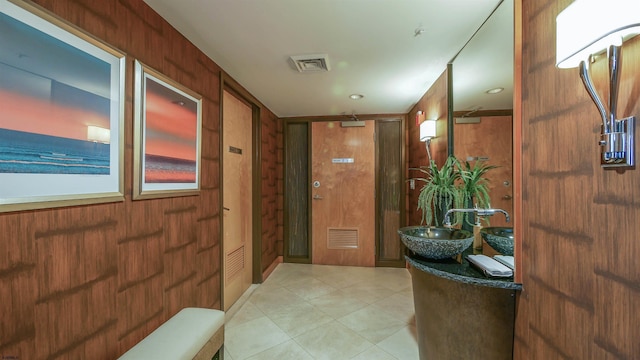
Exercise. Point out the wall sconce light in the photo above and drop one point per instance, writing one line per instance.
(586, 28)
(428, 132)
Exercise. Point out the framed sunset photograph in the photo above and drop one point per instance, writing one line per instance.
(61, 112)
(167, 132)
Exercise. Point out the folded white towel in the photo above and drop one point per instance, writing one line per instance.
(506, 260)
(489, 266)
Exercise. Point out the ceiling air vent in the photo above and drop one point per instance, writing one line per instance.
(311, 63)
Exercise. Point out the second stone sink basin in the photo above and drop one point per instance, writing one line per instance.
(499, 238)
(434, 242)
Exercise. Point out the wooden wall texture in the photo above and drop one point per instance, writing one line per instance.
(88, 282)
(272, 188)
(434, 104)
(580, 243)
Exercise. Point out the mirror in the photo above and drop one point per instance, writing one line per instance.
(482, 121)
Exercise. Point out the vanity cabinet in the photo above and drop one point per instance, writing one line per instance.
(460, 313)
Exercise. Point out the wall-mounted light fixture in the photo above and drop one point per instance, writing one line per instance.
(586, 28)
(428, 132)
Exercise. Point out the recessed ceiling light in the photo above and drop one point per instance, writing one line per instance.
(494, 90)
(356, 96)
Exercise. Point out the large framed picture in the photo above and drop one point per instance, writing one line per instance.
(61, 112)
(167, 132)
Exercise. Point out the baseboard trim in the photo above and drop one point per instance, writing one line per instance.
(269, 270)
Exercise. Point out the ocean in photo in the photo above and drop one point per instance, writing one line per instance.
(162, 169)
(30, 153)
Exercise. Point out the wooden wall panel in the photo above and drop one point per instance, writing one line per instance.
(280, 187)
(270, 148)
(88, 282)
(579, 245)
(434, 104)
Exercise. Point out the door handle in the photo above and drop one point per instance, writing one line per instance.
(317, 197)
(506, 197)
(226, 208)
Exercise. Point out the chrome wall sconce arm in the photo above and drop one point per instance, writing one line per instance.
(617, 135)
(585, 28)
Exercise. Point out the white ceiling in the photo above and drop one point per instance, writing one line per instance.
(371, 45)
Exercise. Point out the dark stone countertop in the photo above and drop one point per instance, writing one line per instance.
(464, 272)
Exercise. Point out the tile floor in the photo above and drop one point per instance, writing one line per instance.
(324, 312)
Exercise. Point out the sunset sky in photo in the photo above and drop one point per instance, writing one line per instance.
(171, 128)
(35, 115)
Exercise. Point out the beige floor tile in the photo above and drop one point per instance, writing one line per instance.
(274, 300)
(289, 350)
(268, 287)
(408, 291)
(292, 315)
(286, 273)
(253, 337)
(346, 277)
(368, 292)
(403, 344)
(338, 303)
(235, 307)
(309, 288)
(372, 324)
(399, 306)
(373, 353)
(333, 341)
(247, 312)
(227, 356)
(298, 319)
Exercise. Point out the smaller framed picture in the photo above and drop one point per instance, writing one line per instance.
(167, 136)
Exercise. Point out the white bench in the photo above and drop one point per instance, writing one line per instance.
(192, 333)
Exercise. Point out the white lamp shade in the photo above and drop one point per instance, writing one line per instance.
(427, 130)
(588, 27)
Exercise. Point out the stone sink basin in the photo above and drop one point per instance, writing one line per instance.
(499, 238)
(434, 242)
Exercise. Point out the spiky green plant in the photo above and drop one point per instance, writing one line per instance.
(440, 190)
(454, 185)
(475, 189)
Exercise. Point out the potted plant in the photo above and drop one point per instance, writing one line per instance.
(440, 190)
(454, 185)
(475, 191)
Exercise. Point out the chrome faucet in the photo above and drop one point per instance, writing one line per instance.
(447, 221)
(477, 211)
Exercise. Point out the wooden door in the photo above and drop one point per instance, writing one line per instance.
(236, 199)
(492, 139)
(343, 194)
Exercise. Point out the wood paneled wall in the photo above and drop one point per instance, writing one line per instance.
(434, 104)
(89, 282)
(580, 245)
(272, 189)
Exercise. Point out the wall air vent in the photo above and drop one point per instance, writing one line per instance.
(311, 63)
(342, 238)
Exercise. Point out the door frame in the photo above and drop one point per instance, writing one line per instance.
(228, 84)
(403, 192)
(286, 257)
